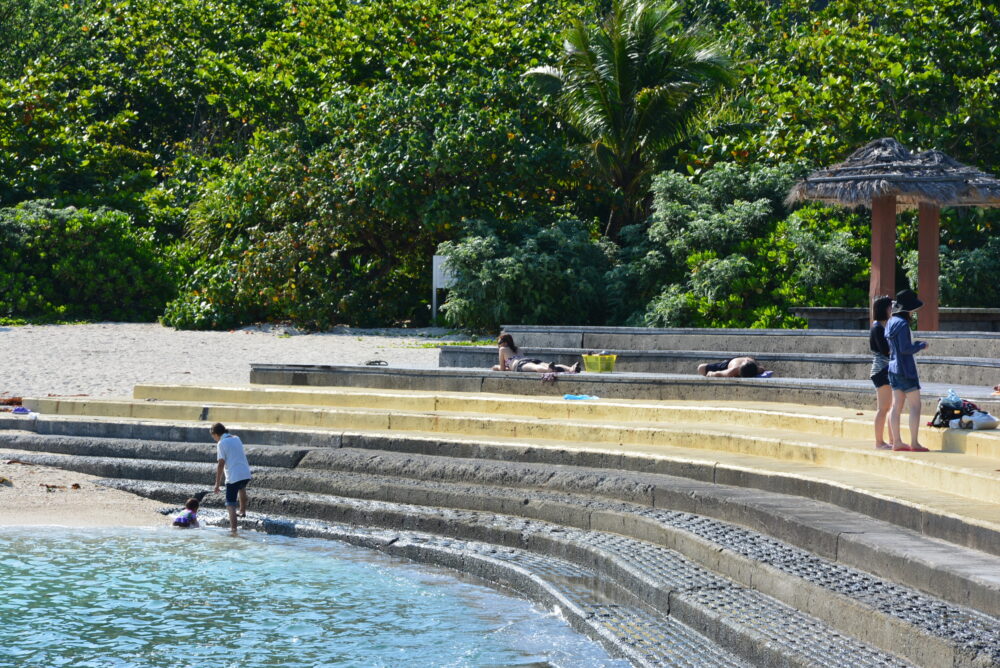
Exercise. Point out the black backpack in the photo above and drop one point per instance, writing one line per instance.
(950, 410)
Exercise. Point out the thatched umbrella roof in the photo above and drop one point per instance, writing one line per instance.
(886, 167)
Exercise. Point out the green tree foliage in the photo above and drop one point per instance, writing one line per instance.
(818, 83)
(632, 86)
(99, 97)
(302, 159)
(723, 252)
(337, 221)
(528, 273)
(69, 263)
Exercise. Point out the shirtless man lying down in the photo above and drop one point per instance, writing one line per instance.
(737, 367)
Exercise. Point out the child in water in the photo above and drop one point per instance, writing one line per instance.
(188, 519)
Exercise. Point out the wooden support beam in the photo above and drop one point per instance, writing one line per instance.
(928, 266)
(883, 273)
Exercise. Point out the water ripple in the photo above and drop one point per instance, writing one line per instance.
(135, 598)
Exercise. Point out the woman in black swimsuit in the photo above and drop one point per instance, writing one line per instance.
(511, 361)
(880, 369)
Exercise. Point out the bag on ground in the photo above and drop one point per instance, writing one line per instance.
(981, 420)
(951, 407)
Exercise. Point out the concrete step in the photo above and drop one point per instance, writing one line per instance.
(944, 344)
(856, 394)
(933, 369)
(973, 476)
(274, 456)
(923, 507)
(901, 621)
(761, 630)
(830, 421)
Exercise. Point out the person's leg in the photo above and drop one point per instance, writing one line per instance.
(913, 408)
(232, 491)
(243, 502)
(565, 369)
(537, 368)
(883, 396)
(898, 398)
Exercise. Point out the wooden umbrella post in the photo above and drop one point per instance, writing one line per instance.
(928, 266)
(883, 272)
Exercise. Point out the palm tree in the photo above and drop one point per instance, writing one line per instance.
(634, 85)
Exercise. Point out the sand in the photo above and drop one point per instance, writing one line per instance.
(44, 496)
(108, 359)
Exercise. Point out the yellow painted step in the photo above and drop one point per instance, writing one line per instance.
(969, 476)
(832, 421)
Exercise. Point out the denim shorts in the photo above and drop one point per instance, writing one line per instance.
(231, 490)
(902, 383)
(881, 379)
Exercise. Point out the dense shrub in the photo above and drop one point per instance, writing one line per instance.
(723, 252)
(69, 263)
(528, 274)
(969, 277)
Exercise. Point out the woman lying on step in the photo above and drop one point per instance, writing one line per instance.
(511, 360)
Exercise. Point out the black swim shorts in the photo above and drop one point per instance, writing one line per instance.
(232, 488)
(719, 366)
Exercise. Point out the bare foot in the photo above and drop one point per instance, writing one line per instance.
(901, 447)
(243, 514)
(916, 447)
(883, 446)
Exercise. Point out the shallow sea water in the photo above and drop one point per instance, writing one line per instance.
(162, 597)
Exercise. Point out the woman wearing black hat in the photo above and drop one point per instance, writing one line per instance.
(903, 377)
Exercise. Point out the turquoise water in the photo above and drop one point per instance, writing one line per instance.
(160, 597)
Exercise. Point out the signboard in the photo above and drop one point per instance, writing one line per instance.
(443, 278)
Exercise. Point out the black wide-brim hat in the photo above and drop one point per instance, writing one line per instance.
(906, 300)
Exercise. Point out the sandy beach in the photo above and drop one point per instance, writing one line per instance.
(108, 359)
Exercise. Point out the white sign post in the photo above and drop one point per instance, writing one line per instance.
(442, 279)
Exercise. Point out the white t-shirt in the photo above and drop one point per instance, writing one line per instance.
(230, 448)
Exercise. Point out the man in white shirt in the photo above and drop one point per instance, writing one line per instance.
(233, 462)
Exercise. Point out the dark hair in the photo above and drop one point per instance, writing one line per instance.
(192, 504)
(506, 339)
(749, 370)
(218, 429)
(880, 308)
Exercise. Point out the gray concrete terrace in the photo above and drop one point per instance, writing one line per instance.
(856, 394)
(824, 341)
(970, 371)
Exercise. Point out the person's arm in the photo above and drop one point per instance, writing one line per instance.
(904, 344)
(725, 373)
(877, 342)
(504, 355)
(220, 470)
(194, 522)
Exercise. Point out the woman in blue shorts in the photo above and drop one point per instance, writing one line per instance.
(903, 377)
